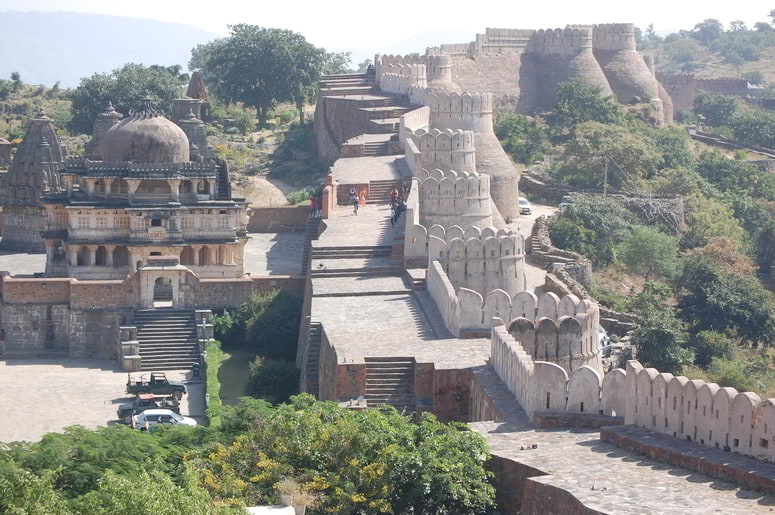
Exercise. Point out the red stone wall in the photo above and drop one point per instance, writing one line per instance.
(36, 291)
(451, 394)
(278, 219)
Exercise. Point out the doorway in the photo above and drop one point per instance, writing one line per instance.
(162, 292)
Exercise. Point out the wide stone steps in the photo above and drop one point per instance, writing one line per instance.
(376, 149)
(167, 338)
(390, 381)
(310, 233)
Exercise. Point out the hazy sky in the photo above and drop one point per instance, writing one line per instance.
(360, 25)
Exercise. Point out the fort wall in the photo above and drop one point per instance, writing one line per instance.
(447, 198)
(445, 150)
(481, 260)
(411, 122)
(625, 69)
(683, 88)
(676, 406)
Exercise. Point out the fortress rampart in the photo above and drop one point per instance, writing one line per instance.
(447, 198)
(614, 36)
(439, 67)
(683, 88)
(467, 111)
(686, 409)
(479, 259)
(445, 150)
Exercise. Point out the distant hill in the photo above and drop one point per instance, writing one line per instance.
(46, 47)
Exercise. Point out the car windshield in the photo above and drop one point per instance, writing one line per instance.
(523, 202)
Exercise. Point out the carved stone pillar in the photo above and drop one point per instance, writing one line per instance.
(175, 188)
(108, 187)
(109, 254)
(195, 249)
(92, 255)
(90, 183)
(72, 255)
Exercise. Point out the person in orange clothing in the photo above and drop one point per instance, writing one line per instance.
(362, 197)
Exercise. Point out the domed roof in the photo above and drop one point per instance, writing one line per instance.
(145, 137)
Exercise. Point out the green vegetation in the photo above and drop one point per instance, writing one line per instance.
(272, 380)
(215, 356)
(260, 67)
(697, 281)
(266, 323)
(372, 461)
(125, 87)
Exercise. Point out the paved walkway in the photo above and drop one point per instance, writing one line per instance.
(359, 170)
(39, 396)
(274, 253)
(523, 224)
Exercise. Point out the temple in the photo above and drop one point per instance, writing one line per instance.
(147, 196)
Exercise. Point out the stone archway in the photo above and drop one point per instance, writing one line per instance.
(162, 292)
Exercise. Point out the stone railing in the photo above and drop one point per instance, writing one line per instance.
(129, 348)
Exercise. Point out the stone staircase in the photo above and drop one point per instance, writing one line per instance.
(390, 381)
(311, 230)
(366, 261)
(223, 188)
(168, 339)
(379, 191)
(376, 148)
(346, 84)
(311, 374)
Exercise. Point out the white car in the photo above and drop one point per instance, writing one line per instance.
(151, 418)
(524, 206)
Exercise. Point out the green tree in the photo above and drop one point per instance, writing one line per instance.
(592, 225)
(660, 338)
(260, 67)
(707, 31)
(578, 102)
(524, 140)
(710, 299)
(364, 66)
(272, 380)
(716, 109)
(125, 88)
(675, 146)
(150, 493)
(754, 77)
(684, 52)
(708, 218)
(25, 493)
(646, 250)
(367, 461)
(17, 81)
(711, 345)
(629, 157)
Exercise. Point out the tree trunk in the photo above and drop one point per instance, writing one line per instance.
(300, 109)
(261, 113)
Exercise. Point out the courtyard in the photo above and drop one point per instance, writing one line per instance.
(45, 395)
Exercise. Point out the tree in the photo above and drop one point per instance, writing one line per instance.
(25, 493)
(707, 31)
(260, 67)
(755, 77)
(368, 461)
(629, 156)
(17, 81)
(272, 380)
(524, 140)
(710, 299)
(683, 50)
(364, 66)
(717, 109)
(675, 146)
(125, 88)
(725, 255)
(646, 250)
(660, 338)
(578, 102)
(708, 218)
(738, 26)
(336, 62)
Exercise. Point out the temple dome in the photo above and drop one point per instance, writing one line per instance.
(145, 137)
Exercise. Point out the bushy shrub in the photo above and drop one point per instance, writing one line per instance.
(297, 197)
(273, 380)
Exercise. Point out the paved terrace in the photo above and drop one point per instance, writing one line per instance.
(359, 170)
(602, 476)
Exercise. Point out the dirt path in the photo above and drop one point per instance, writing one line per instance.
(261, 191)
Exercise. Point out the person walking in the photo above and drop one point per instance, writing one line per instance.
(313, 207)
(362, 197)
(354, 200)
(393, 196)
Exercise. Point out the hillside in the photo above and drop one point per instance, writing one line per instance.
(46, 47)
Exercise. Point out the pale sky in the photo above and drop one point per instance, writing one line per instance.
(363, 26)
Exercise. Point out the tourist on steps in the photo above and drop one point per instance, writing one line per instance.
(354, 200)
(313, 207)
(362, 197)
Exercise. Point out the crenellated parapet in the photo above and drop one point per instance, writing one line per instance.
(448, 198)
(399, 79)
(479, 259)
(495, 41)
(467, 111)
(439, 67)
(567, 41)
(445, 150)
(614, 36)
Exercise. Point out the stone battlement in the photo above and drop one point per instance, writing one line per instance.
(445, 150)
(568, 41)
(439, 67)
(467, 111)
(614, 36)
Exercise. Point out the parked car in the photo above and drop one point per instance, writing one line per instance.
(524, 206)
(151, 418)
(158, 384)
(567, 200)
(146, 401)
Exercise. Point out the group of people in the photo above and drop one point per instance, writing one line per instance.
(315, 207)
(358, 199)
